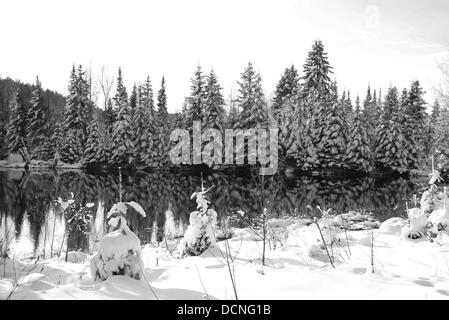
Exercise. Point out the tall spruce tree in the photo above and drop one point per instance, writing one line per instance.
(38, 130)
(122, 133)
(435, 111)
(251, 101)
(317, 71)
(441, 139)
(358, 152)
(77, 115)
(213, 117)
(332, 145)
(285, 89)
(390, 152)
(16, 133)
(94, 152)
(415, 110)
(197, 98)
(161, 146)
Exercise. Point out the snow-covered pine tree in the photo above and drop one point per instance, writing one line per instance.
(435, 115)
(317, 71)
(347, 112)
(441, 138)
(17, 125)
(369, 116)
(196, 99)
(94, 152)
(213, 117)
(162, 112)
(358, 152)
(122, 133)
(160, 149)
(139, 124)
(285, 89)
(133, 98)
(56, 140)
(331, 151)
(233, 113)
(431, 125)
(77, 114)
(416, 116)
(37, 129)
(407, 127)
(390, 152)
(251, 101)
(109, 116)
(300, 131)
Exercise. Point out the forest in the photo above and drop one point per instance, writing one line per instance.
(320, 128)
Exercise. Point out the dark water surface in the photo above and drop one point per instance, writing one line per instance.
(32, 223)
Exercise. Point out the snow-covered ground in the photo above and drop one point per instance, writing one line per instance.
(296, 268)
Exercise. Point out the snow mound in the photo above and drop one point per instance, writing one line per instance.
(119, 253)
(392, 226)
(200, 234)
(416, 227)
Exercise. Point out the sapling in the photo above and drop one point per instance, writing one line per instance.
(119, 252)
(200, 234)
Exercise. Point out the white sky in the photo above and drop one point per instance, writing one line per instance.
(381, 42)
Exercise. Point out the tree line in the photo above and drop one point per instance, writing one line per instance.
(319, 127)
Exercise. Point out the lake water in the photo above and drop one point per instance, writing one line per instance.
(32, 223)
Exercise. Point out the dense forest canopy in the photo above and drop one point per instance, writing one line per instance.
(320, 128)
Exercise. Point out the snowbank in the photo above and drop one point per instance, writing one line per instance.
(403, 269)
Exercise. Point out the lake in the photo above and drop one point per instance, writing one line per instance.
(33, 224)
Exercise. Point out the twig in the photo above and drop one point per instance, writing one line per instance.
(324, 242)
(201, 281)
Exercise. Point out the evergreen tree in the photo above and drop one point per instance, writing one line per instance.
(16, 129)
(77, 115)
(197, 98)
(162, 103)
(213, 116)
(148, 99)
(56, 140)
(390, 152)
(414, 128)
(37, 130)
(435, 115)
(317, 70)
(133, 98)
(285, 89)
(233, 113)
(143, 122)
(441, 139)
(358, 153)
(161, 146)
(370, 115)
(251, 101)
(122, 133)
(94, 153)
(299, 135)
(332, 145)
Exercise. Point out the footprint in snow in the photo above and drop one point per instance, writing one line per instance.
(359, 270)
(424, 283)
(443, 292)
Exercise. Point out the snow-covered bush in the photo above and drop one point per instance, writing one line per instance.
(119, 252)
(201, 233)
(417, 223)
(331, 227)
(431, 199)
(439, 218)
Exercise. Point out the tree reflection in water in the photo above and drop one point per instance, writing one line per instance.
(27, 200)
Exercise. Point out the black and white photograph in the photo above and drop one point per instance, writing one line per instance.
(212, 150)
